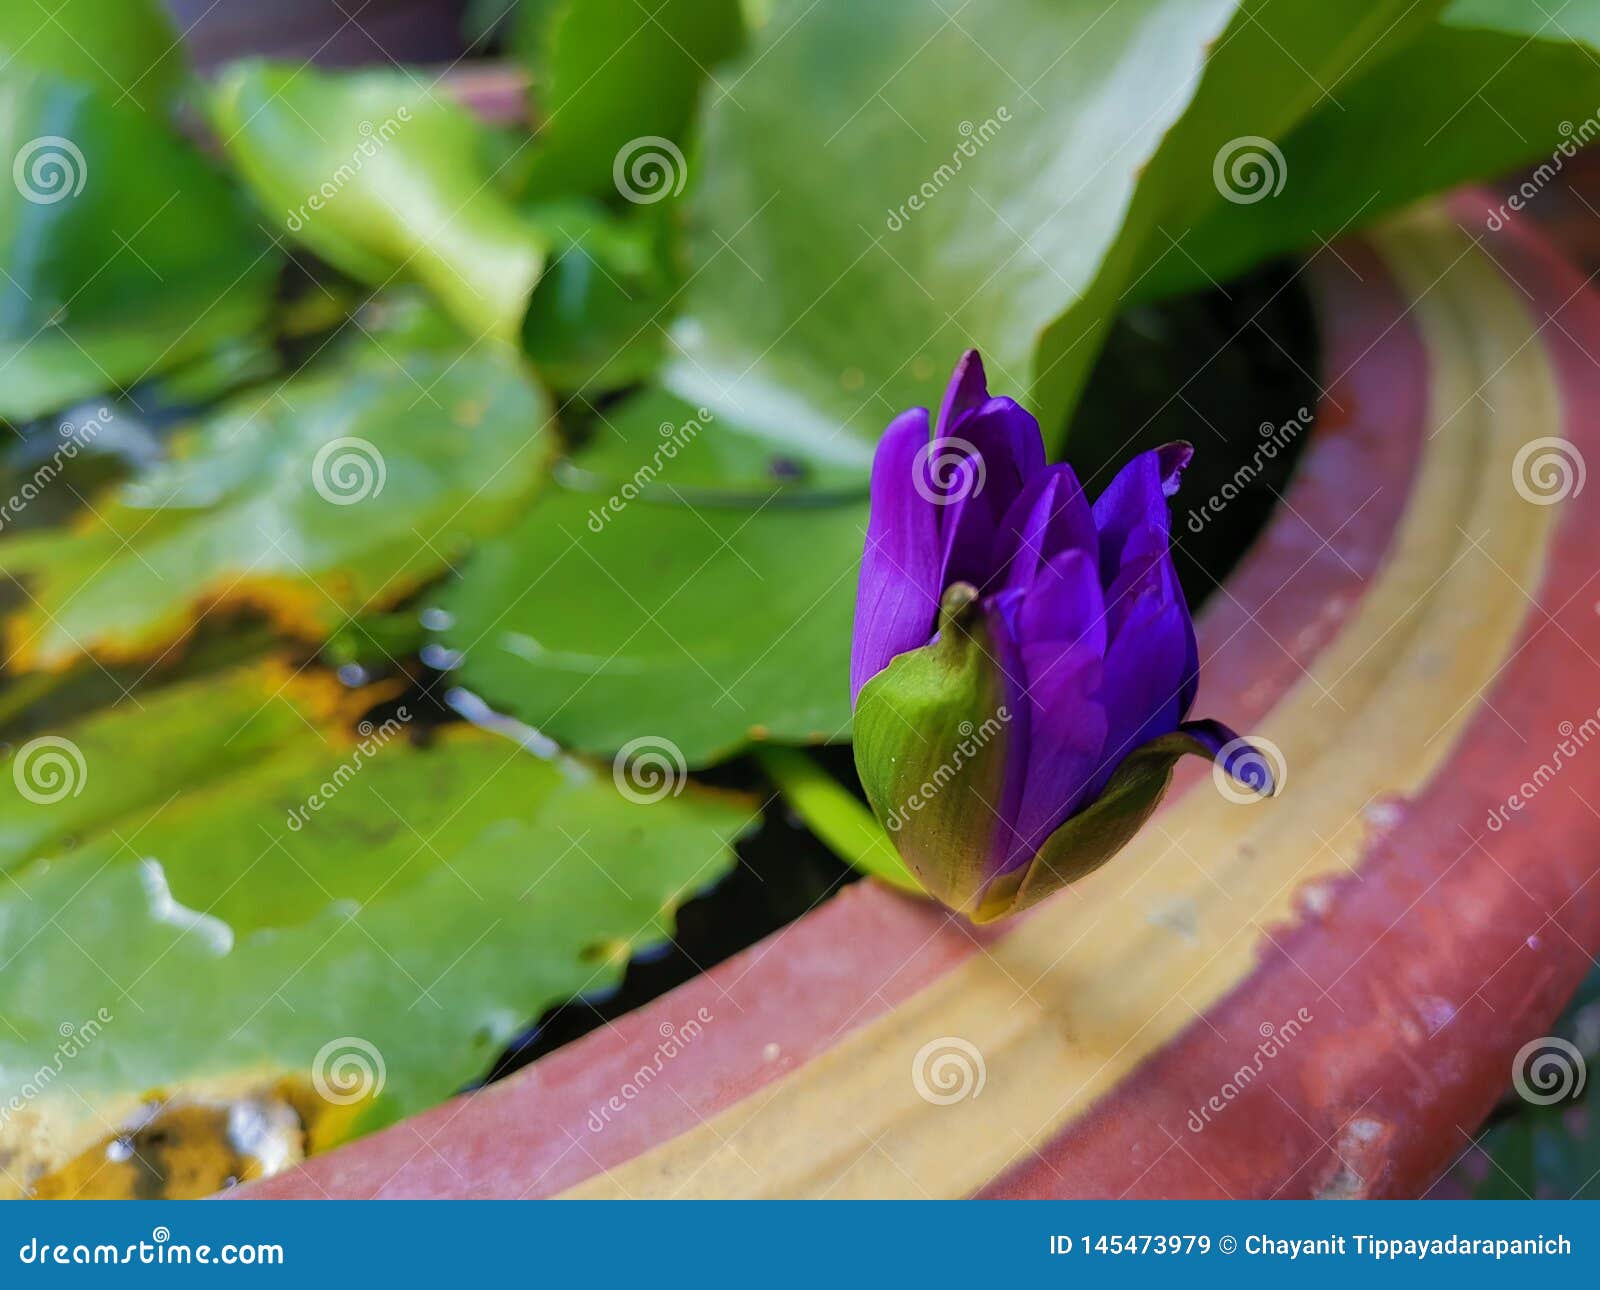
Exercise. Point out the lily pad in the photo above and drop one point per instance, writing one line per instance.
(340, 490)
(1493, 85)
(341, 924)
(122, 252)
(386, 180)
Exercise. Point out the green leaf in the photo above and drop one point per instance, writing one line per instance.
(1576, 23)
(122, 252)
(595, 321)
(1279, 62)
(1478, 102)
(610, 73)
(707, 627)
(340, 490)
(385, 180)
(963, 181)
(125, 49)
(311, 890)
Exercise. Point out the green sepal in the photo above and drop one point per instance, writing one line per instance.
(1095, 834)
(930, 744)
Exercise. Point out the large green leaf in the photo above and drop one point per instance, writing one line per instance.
(313, 891)
(615, 73)
(122, 252)
(385, 179)
(1491, 87)
(341, 489)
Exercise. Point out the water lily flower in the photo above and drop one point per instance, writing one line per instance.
(1024, 661)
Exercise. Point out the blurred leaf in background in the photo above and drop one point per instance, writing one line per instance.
(387, 180)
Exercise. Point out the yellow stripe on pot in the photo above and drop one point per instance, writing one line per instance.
(1069, 1003)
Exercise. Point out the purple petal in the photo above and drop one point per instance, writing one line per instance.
(1146, 676)
(1001, 448)
(967, 389)
(1137, 499)
(1241, 759)
(1066, 740)
(897, 600)
(1050, 515)
(1062, 625)
(1064, 605)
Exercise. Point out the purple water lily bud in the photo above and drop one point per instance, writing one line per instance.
(1024, 661)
